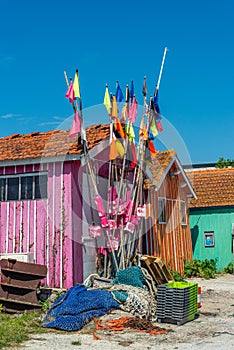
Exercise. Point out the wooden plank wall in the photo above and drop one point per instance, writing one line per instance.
(44, 227)
(171, 241)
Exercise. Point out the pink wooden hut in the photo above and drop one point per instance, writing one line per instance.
(41, 201)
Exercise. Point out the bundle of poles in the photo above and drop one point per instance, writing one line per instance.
(120, 219)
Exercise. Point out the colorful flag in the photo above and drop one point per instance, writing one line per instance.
(114, 108)
(127, 94)
(153, 127)
(107, 101)
(141, 129)
(144, 89)
(120, 147)
(76, 85)
(119, 95)
(113, 150)
(156, 106)
(76, 125)
(152, 148)
(70, 93)
(159, 125)
(130, 131)
(131, 92)
(118, 127)
(134, 156)
(124, 113)
(133, 111)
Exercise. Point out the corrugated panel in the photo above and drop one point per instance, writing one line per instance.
(220, 221)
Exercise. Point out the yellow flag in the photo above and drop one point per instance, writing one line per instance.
(120, 148)
(107, 101)
(76, 85)
(130, 131)
(154, 128)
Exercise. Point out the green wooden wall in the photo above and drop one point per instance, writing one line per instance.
(220, 221)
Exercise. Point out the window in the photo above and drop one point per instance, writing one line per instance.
(162, 211)
(209, 239)
(2, 189)
(23, 187)
(183, 213)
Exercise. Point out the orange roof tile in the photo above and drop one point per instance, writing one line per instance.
(213, 187)
(159, 165)
(48, 144)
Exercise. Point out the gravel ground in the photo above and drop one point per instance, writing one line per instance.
(213, 329)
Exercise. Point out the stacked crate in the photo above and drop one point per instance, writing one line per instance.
(177, 302)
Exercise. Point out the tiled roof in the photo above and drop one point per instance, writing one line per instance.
(48, 144)
(213, 187)
(159, 165)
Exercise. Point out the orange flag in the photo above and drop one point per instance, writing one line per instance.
(114, 108)
(113, 150)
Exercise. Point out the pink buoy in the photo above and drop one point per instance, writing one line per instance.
(141, 211)
(99, 205)
(129, 228)
(94, 231)
(135, 220)
(111, 224)
(104, 221)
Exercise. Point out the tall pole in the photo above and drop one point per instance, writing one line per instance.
(161, 69)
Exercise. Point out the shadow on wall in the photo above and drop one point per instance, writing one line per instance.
(194, 233)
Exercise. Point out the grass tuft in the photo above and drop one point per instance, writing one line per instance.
(15, 329)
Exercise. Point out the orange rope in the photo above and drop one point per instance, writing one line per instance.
(125, 322)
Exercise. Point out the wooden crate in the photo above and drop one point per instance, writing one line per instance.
(157, 269)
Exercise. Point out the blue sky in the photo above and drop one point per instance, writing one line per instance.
(121, 40)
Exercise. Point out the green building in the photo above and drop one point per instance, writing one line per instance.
(212, 215)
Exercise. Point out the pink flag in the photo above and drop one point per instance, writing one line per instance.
(133, 111)
(159, 126)
(76, 125)
(70, 93)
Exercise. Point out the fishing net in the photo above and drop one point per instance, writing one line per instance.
(135, 290)
(77, 307)
(131, 276)
(138, 302)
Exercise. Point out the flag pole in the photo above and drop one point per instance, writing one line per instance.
(90, 168)
(161, 69)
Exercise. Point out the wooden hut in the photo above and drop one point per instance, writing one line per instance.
(41, 201)
(167, 227)
(212, 215)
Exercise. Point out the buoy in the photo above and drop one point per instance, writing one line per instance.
(199, 297)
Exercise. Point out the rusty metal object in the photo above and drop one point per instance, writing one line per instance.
(19, 283)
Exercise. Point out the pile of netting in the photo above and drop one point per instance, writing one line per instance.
(135, 291)
(132, 290)
(77, 307)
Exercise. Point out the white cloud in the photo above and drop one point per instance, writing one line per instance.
(57, 121)
(49, 123)
(9, 115)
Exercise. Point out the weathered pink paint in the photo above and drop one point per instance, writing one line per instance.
(50, 229)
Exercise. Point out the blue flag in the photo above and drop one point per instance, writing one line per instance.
(156, 106)
(119, 95)
(131, 92)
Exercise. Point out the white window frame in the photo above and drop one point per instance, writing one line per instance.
(183, 216)
(162, 211)
(20, 176)
(206, 234)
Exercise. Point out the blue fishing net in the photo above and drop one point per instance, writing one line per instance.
(77, 307)
(132, 276)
